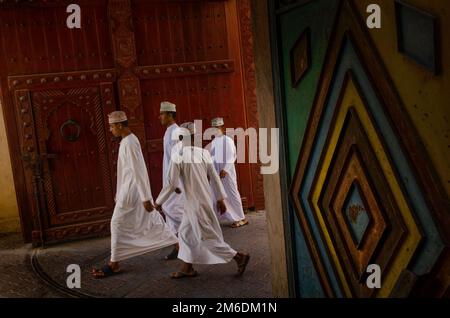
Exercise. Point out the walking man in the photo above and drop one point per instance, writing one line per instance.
(200, 236)
(136, 227)
(174, 205)
(223, 152)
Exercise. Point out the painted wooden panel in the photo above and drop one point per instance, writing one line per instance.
(400, 232)
(318, 17)
(418, 33)
(362, 188)
(424, 95)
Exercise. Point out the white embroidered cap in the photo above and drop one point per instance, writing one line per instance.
(168, 107)
(217, 122)
(117, 117)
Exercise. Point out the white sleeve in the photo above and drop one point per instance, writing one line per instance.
(214, 156)
(172, 146)
(171, 184)
(230, 155)
(216, 184)
(140, 174)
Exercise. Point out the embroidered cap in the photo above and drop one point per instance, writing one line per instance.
(168, 107)
(117, 117)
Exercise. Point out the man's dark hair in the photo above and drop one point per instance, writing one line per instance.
(174, 114)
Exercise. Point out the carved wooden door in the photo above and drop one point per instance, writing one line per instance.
(58, 85)
(73, 141)
(69, 156)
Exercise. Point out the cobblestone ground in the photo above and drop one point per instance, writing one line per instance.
(17, 278)
(143, 276)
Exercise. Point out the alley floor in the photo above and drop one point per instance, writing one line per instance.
(28, 272)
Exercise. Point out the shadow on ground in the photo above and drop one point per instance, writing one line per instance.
(148, 275)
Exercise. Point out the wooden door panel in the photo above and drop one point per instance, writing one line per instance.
(35, 40)
(179, 31)
(68, 154)
(71, 130)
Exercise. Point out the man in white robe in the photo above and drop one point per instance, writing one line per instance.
(223, 152)
(136, 227)
(200, 236)
(174, 206)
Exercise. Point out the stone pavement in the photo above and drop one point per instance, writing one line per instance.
(42, 272)
(17, 279)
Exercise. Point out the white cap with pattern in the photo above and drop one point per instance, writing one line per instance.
(117, 117)
(168, 107)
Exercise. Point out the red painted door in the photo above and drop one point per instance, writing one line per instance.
(58, 85)
(71, 133)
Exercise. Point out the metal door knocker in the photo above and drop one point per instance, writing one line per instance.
(74, 134)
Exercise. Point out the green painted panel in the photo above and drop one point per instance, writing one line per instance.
(318, 16)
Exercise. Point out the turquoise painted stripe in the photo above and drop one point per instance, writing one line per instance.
(309, 283)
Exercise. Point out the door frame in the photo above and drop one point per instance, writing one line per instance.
(285, 173)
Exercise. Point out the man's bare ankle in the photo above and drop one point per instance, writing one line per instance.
(114, 265)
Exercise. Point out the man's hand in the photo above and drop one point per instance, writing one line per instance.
(177, 191)
(222, 207)
(159, 209)
(148, 206)
(223, 174)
